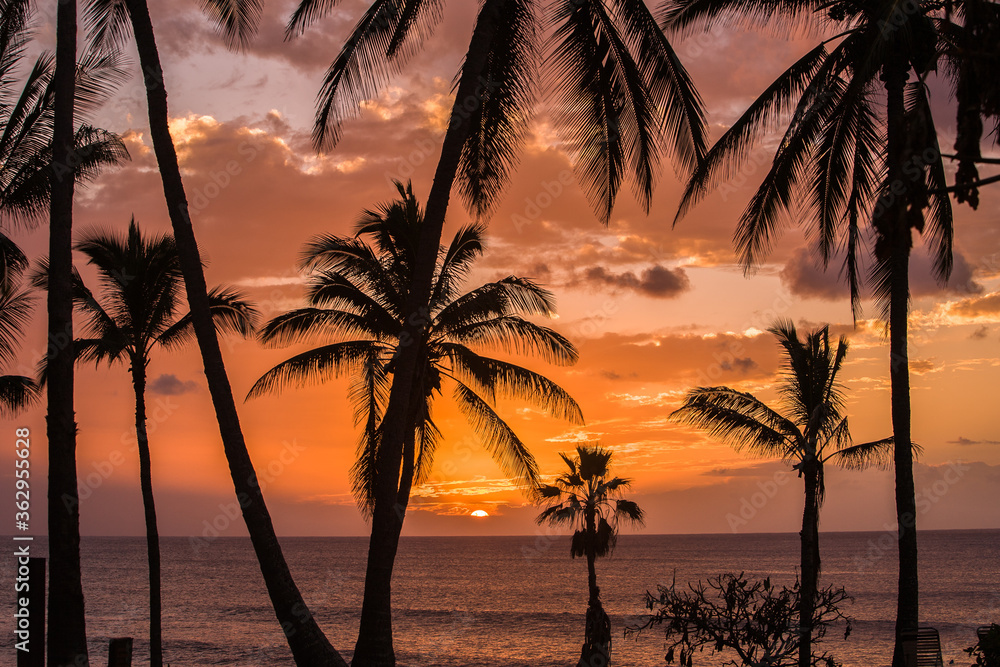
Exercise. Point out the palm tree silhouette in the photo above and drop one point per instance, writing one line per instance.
(110, 23)
(42, 155)
(357, 294)
(625, 99)
(137, 313)
(862, 145)
(812, 432)
(588, 501)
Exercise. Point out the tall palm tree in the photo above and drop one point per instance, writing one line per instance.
(863, 147)
(138, 312)
(110, 23)
(625, 99)
(587, 500)
(39, 148)
(357, 295)
(812, 431)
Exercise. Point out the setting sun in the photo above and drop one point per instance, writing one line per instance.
(480, 514)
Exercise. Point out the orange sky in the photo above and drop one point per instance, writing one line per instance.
(654, 310)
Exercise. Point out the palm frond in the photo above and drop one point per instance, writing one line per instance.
(232, 313)
(515, 335)
(875, 454)
(730, 152)
(236, 20)
(508, 296)
(741, 420)
(499, 439)
(17, 392)
(108, 23)
(313, 367)
(370, 56)
(500, 119)
(492, 376)
(15, 313)
(306, 324)
(670, 86)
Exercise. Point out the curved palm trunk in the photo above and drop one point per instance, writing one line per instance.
(596, 650)
(149, 510)
(374, 645)
(309, 645)
(67, 630)
(899, 239)
(809, 562)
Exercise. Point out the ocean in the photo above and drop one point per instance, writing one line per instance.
(511, 601)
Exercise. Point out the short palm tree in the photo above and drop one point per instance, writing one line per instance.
(357, 296)
(624, 98)
(812, 432)
(588, 500)
(137, 312)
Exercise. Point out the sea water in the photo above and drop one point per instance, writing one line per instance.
(507, 600)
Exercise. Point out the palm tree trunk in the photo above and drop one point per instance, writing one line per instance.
(149, 509)
(67, 631)
(309, 645)
(895, 226)
(809, 562)
(374, 645)
(597, 632)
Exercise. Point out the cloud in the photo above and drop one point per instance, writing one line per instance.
(982, 306)
(924, 366)
(169, 384)
(657, 281)
(981, 333)
(967, 442)
(804, 276)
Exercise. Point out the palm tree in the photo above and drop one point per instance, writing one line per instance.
(39, 148)
(357, 294)
(855, 162)
(812, 432)
(110, 23)
(137, 313)
(586, 500)
(625, 97)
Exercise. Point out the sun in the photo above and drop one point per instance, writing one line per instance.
(480, 514)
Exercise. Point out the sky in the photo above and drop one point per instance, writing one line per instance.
(654, 308)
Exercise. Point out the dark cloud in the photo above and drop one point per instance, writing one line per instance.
(657, 281)
(742, 365)
(169, 384)
(960, 440)
(804, 275)
(981, 333)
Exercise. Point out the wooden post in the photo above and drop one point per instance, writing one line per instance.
(120, 652)
(35, 655)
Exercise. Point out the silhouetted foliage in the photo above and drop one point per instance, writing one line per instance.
(986, 651)
(755, 619)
